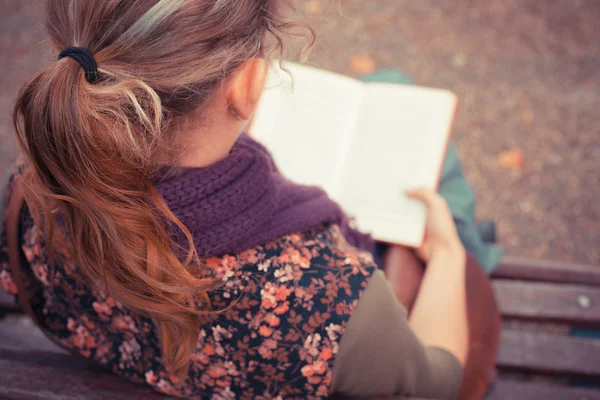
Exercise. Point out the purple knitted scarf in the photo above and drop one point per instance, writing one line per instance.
(243, 201)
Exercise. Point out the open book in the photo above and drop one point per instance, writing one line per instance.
(363, 143)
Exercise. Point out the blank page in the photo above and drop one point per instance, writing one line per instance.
(306, 122)
(400, 143)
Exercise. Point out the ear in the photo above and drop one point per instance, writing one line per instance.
(245, 86)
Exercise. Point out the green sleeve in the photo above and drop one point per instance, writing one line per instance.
(380, 355)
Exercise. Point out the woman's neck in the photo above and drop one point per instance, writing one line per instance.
(213, 148)
(209, 142)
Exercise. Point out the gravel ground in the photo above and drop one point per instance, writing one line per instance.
(527, 74)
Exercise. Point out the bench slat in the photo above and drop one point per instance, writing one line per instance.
(33, 375)
(548, 271)
(505, 390)
(573, 304)
(550, 354)
(19, 332)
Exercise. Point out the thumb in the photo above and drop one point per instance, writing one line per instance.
(425, 195)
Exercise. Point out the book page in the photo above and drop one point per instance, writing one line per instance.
(400, 143)
(306, 121)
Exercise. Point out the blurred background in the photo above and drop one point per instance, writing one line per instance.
(527, 73)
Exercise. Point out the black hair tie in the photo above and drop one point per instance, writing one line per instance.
(85, 58)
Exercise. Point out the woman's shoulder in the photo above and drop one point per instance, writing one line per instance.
(314, 253)
(301, 275)
(285, 307)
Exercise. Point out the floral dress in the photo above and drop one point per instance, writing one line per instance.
(286, 305)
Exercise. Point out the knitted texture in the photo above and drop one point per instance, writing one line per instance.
(243, 201)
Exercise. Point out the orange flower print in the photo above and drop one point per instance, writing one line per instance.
(6, 281)
(320, 367)
(230, 262)
(208, 350)
(326, 354)
(213, 262)
(281, 293)
(307, 371)
(282, 309)
(322, 391)
(333, 332)
(41, 272)
(288, 273)
(223, 382)
(342, 309)
(265, 331)
(266, 348)
(71, 325)
(264, 266)
(166, 387)
(130, 351)
(220, 333)
(249, 256)
(29, 251)
(84, 340)
(201, 358)
(230, 273)
(231, 368)
(103, 349)
(268, 302)
(124, 323)
(268, 296)
(293, 256)
(311, 344)
(225, 394)
(219, 350)
(151, 378)
(102, 309)
(272, 320)
(217, 371)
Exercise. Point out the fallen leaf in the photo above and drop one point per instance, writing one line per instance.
(459, 60)
(313, 7)
(527, 117)
(512, 158)
(362, 65)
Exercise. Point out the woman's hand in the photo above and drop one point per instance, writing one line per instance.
(441, 236)
(439, 315)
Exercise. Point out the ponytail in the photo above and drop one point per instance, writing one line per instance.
(89, 149)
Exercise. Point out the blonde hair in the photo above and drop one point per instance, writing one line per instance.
(91, 149)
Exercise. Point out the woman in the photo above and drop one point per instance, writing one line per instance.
(160, 241)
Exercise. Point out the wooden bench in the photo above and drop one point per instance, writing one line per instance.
(547, 309)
